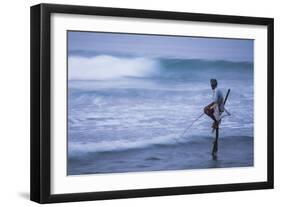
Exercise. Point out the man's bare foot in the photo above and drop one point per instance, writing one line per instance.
(215, 126)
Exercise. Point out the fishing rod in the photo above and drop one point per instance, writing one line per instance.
(191, 125)
(226, 97)
(226, 111)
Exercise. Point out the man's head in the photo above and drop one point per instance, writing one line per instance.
(213, 83)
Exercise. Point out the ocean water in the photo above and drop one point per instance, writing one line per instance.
(127, 114)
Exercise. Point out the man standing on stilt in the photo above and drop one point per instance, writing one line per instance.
(214, 110)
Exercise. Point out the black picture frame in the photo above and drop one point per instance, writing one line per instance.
(40, 184)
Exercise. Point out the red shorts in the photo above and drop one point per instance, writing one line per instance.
(208, 110)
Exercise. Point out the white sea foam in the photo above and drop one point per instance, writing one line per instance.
(105, 67)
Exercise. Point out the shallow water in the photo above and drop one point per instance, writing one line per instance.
(193, 154)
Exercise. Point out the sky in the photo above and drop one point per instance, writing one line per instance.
(159, 46)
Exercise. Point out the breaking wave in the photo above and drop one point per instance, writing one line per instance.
(105, 67)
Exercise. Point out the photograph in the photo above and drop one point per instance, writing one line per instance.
(150, 102)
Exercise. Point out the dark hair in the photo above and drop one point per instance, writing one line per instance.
(213, 82)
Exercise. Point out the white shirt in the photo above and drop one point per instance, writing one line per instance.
(218, 98)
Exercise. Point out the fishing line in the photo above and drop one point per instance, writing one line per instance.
(191, 125)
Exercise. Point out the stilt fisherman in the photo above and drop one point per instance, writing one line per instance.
(214, 110)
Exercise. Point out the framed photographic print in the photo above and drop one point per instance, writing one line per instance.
(133, 103)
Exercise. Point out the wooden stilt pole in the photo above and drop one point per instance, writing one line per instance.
(215, 144)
